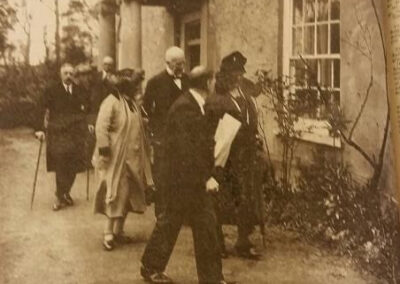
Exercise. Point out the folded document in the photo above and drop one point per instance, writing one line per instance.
(227, 128)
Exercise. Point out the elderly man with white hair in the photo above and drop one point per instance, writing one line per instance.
(191, 180)
(161, 92)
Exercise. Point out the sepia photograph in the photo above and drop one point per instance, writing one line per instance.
(199, 141)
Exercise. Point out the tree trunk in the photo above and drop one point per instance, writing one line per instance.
(57, 35)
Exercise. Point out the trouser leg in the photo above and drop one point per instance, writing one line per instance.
(218, 225)
(244, 226)
(162, 241)
(109, 226)
(206, 245)
(119, 225)
(159, 195)
(64, 181)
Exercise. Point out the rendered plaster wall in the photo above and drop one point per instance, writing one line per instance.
(157, 36)
(358, 21)
(253, 28)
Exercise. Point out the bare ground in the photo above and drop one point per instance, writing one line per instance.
(42, 246)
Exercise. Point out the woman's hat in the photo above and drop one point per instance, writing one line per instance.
(234, 62)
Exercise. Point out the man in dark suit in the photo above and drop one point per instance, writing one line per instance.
(161, 92)
(189, 179)
(101, 88)
(66, 106)
(236, 204)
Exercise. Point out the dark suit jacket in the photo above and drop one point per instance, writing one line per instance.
(188, 161)
(238, 173)
(99, 92)
(244, 144)
(66, 125)
(161, 92)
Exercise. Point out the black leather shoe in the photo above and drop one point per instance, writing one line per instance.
(123, 239)
(154, 276)
(249, 253)
(68, 199)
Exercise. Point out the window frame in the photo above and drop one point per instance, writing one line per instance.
(312, 130)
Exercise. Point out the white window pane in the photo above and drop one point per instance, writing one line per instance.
(322, 39)
(297, 12)
(325, 73)
(309, 13)
(323, 7)
(336, 73)
(335, 9)
(307, 103)
(309, 40)
(335, 38)
(325, 102)
(312, 72)
(297, 72)
(297, 41)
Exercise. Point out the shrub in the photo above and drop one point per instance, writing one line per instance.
(21, 89)
(330, 207)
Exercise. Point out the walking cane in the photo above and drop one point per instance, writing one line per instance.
(87, 184)
(36, 173)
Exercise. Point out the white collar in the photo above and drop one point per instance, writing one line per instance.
(103, 74)
(199, 99)
(169, 71)
(66, 87)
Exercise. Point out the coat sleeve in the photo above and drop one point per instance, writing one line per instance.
(149, 97)
(43, 110)
(104, 122)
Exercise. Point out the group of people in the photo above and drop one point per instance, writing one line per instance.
(161, 143)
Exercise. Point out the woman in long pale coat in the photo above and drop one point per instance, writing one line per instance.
(121, 158)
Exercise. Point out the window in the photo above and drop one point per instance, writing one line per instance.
(311, 59)
(191, 39)
(314, 59)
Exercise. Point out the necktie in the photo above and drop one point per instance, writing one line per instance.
(69, 90)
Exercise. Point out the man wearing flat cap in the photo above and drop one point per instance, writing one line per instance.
(235, 200)
(190, 182)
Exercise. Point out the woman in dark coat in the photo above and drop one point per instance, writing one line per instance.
(236, 198)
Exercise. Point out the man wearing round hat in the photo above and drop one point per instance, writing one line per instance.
(235, 204)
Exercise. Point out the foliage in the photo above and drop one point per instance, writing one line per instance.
(329, 206)
(21, 88)
(7, 20)
(287, 113)
(77, 34)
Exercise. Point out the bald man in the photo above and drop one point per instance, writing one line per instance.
(161, 92)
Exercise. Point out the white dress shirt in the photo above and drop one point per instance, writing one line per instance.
(68, 88)
(199, 99)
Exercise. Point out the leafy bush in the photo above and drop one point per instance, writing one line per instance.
(329, 206)
(21, 88)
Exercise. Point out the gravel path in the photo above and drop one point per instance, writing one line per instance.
(42, 246)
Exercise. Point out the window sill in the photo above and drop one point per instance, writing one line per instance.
(316, 131)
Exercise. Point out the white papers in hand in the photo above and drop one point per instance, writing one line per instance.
(227, 128)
